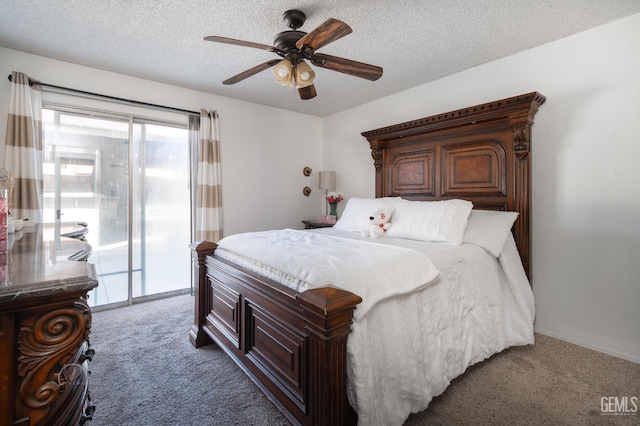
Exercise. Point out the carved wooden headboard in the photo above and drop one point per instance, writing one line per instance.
(480, 154)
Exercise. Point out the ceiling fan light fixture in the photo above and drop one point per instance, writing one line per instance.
(294, 45)
(283, 72)
(304, 75)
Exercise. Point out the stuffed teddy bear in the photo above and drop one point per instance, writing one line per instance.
(379, 223)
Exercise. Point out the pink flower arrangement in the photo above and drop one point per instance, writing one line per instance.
(334, 197)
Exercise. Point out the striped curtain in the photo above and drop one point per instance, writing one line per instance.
(23, 147)
(209, 196)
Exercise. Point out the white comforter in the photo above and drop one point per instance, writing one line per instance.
(304, 260)
(408, 347)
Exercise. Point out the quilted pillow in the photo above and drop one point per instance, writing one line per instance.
(442, 221)
(489, 229)
(355, 216)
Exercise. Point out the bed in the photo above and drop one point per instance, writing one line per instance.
(311, 348)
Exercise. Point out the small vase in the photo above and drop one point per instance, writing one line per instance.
(333, 209)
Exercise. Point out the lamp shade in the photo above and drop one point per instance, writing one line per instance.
(327, 181)
(304, 75)
(283, 71)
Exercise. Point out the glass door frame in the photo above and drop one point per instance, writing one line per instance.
(131, 119)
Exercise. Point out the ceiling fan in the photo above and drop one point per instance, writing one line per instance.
(294, 47)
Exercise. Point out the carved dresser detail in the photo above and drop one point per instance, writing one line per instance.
(45, 322)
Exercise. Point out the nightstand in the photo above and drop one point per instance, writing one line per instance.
(314, 224)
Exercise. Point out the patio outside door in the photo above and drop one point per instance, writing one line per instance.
(129, 181)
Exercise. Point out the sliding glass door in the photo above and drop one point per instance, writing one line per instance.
(161, 223)
(128, 179)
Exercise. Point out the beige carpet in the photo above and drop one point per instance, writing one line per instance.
(146, 372)
(549, 383)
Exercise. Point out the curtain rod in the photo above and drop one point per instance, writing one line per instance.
(113, 98)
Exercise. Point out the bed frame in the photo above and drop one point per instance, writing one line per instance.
(293, 345)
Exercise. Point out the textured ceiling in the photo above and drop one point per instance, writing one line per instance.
(414, 41)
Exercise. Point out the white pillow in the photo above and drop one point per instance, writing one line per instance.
(355, 216)
(443, 221)
(489, 229)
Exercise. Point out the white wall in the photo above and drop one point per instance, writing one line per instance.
(586, 202)
(586, 178)
(263, 149)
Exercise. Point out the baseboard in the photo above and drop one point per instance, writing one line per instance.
(597, 348)
(141, 299)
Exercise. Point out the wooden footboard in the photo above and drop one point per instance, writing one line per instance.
(292, 345)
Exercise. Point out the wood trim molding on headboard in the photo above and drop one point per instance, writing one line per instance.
(479, 153)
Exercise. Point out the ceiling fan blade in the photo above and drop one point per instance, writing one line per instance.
(228, 40)
(347, 66)
(307, 92)
(327, 32)
(251, 71)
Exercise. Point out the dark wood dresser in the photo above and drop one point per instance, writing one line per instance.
(44, 328)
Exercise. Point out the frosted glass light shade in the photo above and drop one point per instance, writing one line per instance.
(304, 75)
(283, 71)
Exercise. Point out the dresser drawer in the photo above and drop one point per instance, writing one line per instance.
(73, 406)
